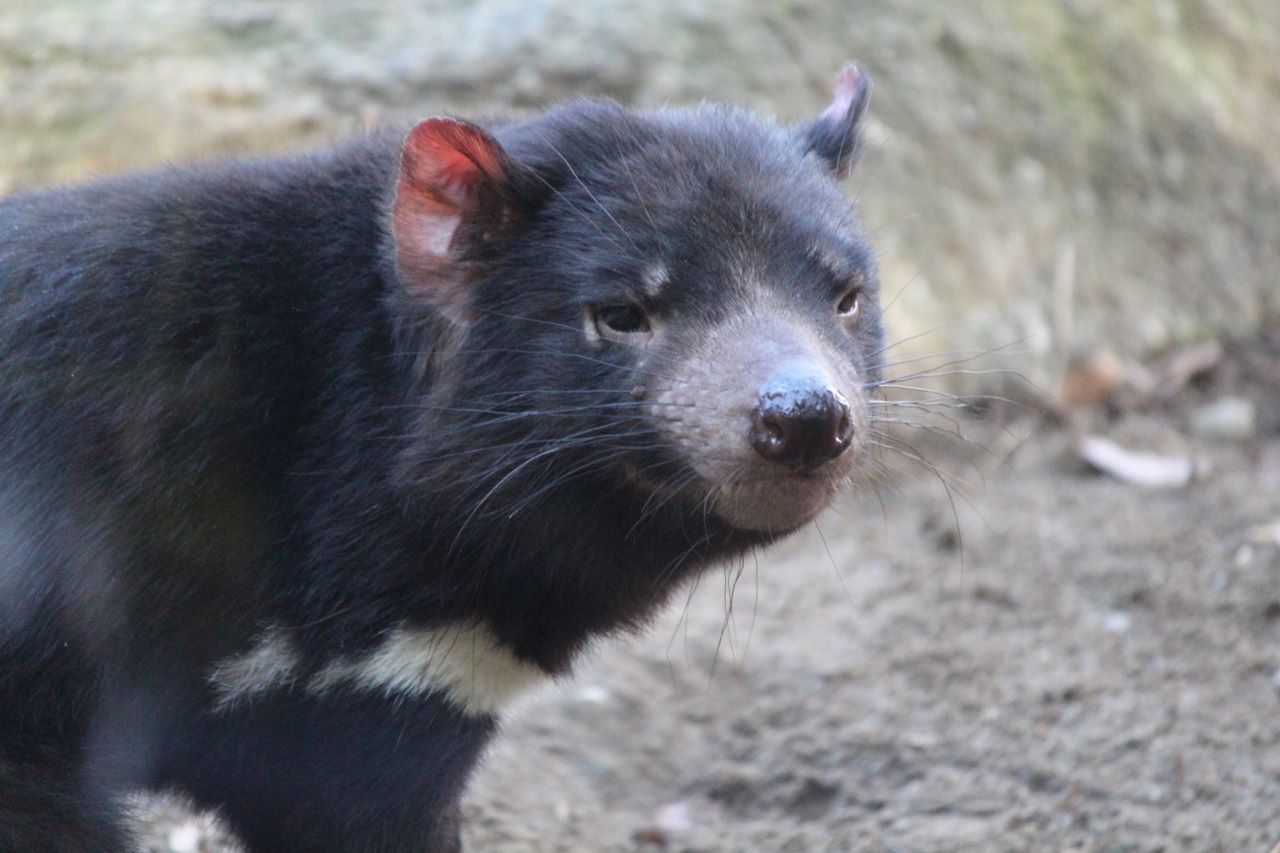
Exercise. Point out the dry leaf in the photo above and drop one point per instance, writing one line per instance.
(1151, 470)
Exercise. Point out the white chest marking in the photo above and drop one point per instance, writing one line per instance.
(464, 661)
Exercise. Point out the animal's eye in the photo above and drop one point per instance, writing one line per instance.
(618, 322)
(849, 305)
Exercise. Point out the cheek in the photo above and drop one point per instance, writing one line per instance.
(700, 402)
(705, 422)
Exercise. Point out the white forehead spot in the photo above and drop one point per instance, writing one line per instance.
(654, 278)
(465, 661)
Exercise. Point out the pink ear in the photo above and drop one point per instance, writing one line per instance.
(851, 88)
(449, 172)
(833, 134)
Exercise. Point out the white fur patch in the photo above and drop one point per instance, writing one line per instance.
(654, 278)
(464, 661)
(270, 663)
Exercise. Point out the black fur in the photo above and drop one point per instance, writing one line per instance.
(342, 772)
(221, 412)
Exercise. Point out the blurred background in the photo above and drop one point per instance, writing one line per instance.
(1062, 628)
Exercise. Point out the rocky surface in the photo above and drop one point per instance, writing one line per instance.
(1062, 177)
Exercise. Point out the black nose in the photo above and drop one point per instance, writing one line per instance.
(801, 423)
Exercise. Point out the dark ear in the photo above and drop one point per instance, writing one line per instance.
(455, 184)
(833, 134)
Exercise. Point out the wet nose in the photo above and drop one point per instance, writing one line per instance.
(801, 422)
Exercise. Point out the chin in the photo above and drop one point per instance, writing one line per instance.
(774, 505)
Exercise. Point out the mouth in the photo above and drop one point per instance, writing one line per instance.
(776, 503)
(772, 502)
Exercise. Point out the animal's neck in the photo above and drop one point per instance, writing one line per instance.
(581, 567)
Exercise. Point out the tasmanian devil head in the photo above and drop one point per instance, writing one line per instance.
(677, 305)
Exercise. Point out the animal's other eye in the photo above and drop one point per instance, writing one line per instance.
(624, 323)
(849, 305)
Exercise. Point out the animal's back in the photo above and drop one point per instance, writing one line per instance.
(152, 375)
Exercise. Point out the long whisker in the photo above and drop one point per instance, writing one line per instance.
(975, 353)
(938, 373)
(494, 489)
(831, 558)
(622, 159)
(961, 356)
(579, 211)
(901, 290)
(562, 354)
(536, 320)
(589, 193)
(948, 434)
(900, 341)
(943, 478)
(940, 394)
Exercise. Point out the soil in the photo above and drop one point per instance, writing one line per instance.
(1064, 662)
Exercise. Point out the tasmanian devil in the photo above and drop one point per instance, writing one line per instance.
(308, 465)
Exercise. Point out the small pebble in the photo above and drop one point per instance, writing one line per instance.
(673, 818)
(1266, 534)
(1117, 622)
(1231, 418)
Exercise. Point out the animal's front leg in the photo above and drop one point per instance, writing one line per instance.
(342, 770)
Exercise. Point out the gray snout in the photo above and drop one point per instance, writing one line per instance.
(800, 421)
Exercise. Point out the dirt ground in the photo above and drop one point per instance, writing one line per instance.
(1086, 665)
